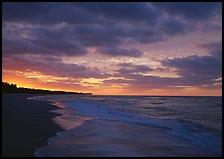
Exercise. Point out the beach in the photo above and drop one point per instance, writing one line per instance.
(26, 125)
(109, 126)
(98, 138)
(115, 126)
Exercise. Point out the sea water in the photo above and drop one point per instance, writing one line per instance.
(197, 121)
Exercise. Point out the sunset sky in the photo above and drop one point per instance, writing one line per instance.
(108, 48)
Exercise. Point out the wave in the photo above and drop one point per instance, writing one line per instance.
(173, 114)
(195, 133)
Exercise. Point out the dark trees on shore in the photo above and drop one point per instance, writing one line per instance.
(12, 88)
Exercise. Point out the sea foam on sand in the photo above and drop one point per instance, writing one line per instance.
(110, 138)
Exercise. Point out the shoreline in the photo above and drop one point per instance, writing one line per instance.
(69, 137)
(26, 124)
(110, 138)
(100, 138)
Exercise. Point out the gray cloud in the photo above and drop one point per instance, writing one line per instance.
(71, 28)
(129, 68)
(46, 13)
(197, 71)
(22, 39)
(50, 66)
(173, 27)
(189, 10)
(123, 11)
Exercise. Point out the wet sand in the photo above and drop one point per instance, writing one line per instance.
(26, 125)
(100, 138)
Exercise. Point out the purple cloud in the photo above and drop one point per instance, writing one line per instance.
(37, 35)
(123, 11)
(129, 68)
(71, 28)
(197, 71)
(120, 52)
(172, 27)
(51, 66)
(189, 10)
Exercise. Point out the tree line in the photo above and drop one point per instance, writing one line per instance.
(12, 88)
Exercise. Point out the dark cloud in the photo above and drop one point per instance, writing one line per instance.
(199, 69)
(190, 10)
(71, 28)
(173, 27)
(127, 68)
(50, 66)
(146, 82)
(25, 11)
(130, 75)
(50, 47)
(115, 34)
(22, 39)
(63, 39)
(196, 71)
(123, 11)
(19, 46)
(79, 12)
(98, 35)
(46, 13)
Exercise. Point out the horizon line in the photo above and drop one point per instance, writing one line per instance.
(117, 94)
(159, 95)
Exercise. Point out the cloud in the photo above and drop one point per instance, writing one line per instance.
(120, 52)
(79, 12)
(189, 10)
(72, 28)
(45, 13)
(138, 81)
(97, 35)
(172, 27)
(63, 39)
(29, 39)
(129, 68)
(123, 11)
(193, 71)
(199, 70)
(24, 11)
(133, 76)
(214, 48)
(49, 65)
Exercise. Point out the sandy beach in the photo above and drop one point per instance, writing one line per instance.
(31, 128)
(26, 125)
(99, 138)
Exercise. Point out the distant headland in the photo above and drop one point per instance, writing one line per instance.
(12, 88)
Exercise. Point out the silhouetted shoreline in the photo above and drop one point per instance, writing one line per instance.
(26, 125)
(12, 88)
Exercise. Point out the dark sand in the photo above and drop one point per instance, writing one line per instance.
(26, 125)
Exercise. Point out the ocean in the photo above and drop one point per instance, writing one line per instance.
(135, 126)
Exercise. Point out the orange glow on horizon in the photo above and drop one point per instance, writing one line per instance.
(117, 91)
(96, 88)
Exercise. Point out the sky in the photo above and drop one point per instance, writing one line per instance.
(114, 48)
